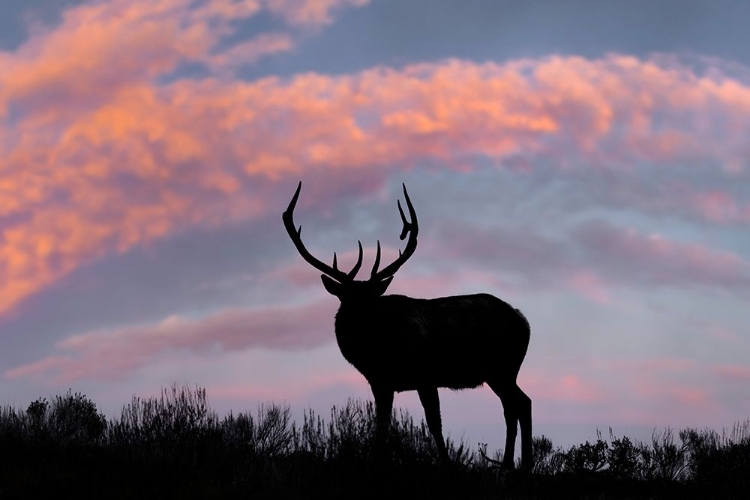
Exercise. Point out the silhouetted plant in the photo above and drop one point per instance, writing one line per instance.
(667, 459)
(587, 456)
(312, 437)
(350, 427)
(175, 445)
(719, 462)
(623, 457)
(70, 419)
(273, 432)
(14, 427)
(178, 414)
(73, 418)
(37, 412)
(547, 459)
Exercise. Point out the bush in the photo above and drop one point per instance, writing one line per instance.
(587, 456)
(547, 460)
(623, 458)
(72, 418)
(719, 463)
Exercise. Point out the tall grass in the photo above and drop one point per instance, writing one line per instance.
(174, 445)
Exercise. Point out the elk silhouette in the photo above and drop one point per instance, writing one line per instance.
(401, 343)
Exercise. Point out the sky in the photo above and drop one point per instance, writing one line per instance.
(585, 161)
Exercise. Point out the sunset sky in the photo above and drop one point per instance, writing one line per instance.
(586, 161)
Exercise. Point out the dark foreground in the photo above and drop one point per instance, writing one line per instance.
(176, 447)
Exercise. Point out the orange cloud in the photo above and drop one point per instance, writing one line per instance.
(250, 51)
(98, 156)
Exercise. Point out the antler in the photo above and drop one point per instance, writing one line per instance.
(410, 228)
(296, 236)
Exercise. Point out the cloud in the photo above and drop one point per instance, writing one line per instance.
(625, 255)
(592, 258)
(310, 12)
(103, 47)
(589, 285)
(563, 387)
(99, 158)
(249, 52)
(112, 355)
(737, 373)
(655, 391)
(678, 391)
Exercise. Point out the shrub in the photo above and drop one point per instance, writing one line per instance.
(547, 460)
(667, 459)
(623, 457)
(73, 418)
(270, 433)
(587, 456)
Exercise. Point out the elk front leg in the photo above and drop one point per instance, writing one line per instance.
(383, 411)
(431, 403)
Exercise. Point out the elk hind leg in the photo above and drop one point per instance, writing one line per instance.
(509, 396)
(431, 404)
(524, 416)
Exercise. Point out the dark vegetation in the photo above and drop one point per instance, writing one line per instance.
(175, 446)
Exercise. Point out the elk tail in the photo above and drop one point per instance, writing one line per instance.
(528, 331)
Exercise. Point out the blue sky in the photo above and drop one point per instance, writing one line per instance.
(585, 161)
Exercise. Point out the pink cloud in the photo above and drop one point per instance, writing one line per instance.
(567, 387)
(658, 365)
(50, 363)
(629, 256)
(589, 285)
(674, 398)
(651, 392)
(737, 373)
(116, 354)
(591, 258)
(722, 333)
(657, 391)
(718, 206)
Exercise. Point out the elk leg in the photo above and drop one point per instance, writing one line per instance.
(527, 459)
(383, 411)
(509, 397)
(431, 403)
(383, 407)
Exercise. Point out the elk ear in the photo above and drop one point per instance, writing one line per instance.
(333, 287)
(381, 286)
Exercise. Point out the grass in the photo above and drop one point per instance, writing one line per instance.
(175, 446)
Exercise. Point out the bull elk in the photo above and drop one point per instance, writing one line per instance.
(401, 343)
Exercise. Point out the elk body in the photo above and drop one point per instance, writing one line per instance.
(401, 343)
